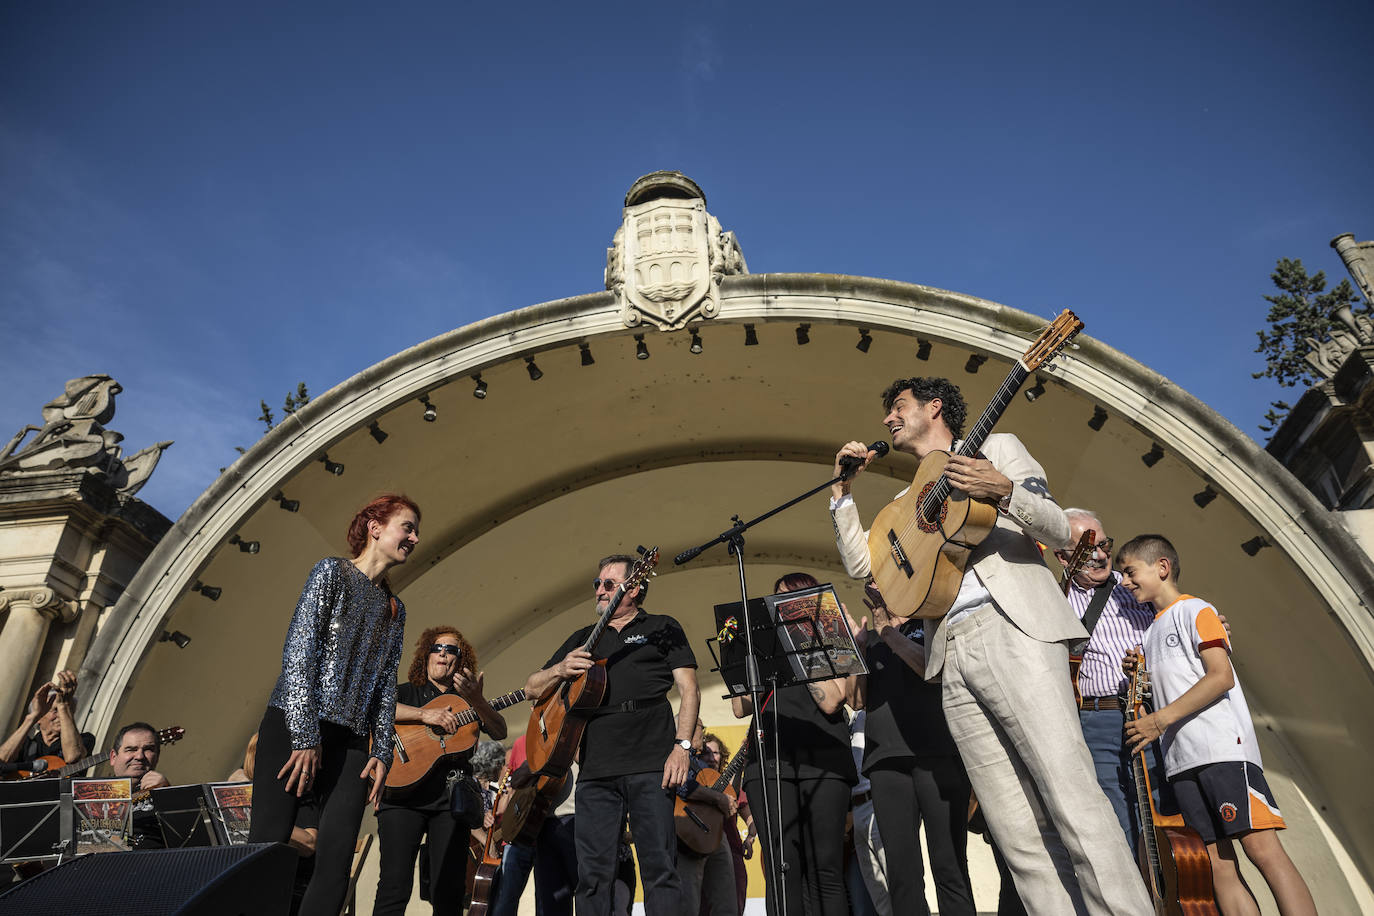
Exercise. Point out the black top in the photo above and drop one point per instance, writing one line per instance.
(905, 718)
(639, 670)
(811, 744)
(430, 793)
(36, 747)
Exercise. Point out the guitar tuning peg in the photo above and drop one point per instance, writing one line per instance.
(640, 550)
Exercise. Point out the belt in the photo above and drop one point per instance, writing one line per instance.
(1102, 703)
(627, 706)
(861, 798)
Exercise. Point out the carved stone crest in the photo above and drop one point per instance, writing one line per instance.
(668, 256)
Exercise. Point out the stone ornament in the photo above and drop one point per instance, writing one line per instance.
(667, 258)
(73, 436)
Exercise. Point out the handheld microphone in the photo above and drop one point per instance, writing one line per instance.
(850, 464)
(33, 766)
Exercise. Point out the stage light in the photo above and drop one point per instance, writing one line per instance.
(586, 350)
(377, 432)
(1036, 390)
(1099, 418)
(803, 334)
(1256, 544)
(332, 467)
(431, 412)
(535, 372)
(1204, 497)
(865, 341)
(479, 390)
(246, 546)
(641, 348)
(290, 505)
(209, 591)
(922, 349)
(750, 338)
(696, 341)
(175, 636)
(975, 362)
(1151, 458)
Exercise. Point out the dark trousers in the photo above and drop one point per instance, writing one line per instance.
(601, 808)
(933, 791)
(516, 862)
(555, 866)
(340, 793)
(812, 818)
(401, 831)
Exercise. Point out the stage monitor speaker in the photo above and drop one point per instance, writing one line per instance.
(208, 881)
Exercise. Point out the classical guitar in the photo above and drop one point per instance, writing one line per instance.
(529, 805)
(920, 542)
(421, 748)
(699, 824)
(1082, 553)
(483, 888)
(1171, 855)
(60, 769)
(560, 715)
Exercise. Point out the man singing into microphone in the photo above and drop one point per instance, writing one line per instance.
(1001, 657)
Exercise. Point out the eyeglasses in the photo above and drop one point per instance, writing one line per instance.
(1105, 545)
(609, 585)
(446, 649)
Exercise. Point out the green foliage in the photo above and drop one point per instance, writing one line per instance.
(1301, 309)
(266, 417)
(298, 400)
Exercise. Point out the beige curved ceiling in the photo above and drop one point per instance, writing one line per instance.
(523, 490)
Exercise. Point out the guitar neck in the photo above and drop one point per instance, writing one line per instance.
(469, 715)
(81, 765)
(735, 766)
(978, 434)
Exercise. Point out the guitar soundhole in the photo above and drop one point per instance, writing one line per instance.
(929, 526)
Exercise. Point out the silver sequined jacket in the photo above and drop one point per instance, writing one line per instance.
(340, 658)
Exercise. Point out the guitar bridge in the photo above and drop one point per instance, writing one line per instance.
(899, 555)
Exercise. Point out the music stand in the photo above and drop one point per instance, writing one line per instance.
(104, 810)
(183, 817)
(30, 820)
(231, 811)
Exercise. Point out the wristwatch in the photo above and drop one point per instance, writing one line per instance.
(685, 744)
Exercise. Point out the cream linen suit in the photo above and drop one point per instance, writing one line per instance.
(1009, 705)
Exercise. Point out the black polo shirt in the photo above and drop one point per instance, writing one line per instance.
(36, 747)
(639, 669)
(905, 718)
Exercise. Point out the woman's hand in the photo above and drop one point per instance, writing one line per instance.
(377, 771)
(300, 770)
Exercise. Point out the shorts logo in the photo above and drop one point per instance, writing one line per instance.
(1228, 812)
(1172, 641)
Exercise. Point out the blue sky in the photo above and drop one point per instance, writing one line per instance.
(211, 202)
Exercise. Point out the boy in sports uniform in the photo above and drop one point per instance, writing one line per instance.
(1211, 758)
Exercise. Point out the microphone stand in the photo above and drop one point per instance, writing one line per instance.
(734, 538)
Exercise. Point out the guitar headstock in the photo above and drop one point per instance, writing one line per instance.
(1082, 553)
(1053, 339)
(1138, 690)
(171, 735)
(642, 570)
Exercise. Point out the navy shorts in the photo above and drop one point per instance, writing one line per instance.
(1226, 799)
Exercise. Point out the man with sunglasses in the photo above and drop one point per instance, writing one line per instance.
(1116, 624)
(634, 754)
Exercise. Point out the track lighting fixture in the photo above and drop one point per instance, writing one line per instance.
(922, 349)
(290, 505)
(1035, 390)
(1206, 496)
(641, 348)
(479, 390)
(750, 338)
(803, 334)
(209, 591)
(1151, 458)
(1256, 544)
(431, 412)
(332, 467)
(586, 350)
(865, 341)
(175, 636)
(377, 432)
(975, 362)
(246, 546)
(696, 341)
(1099, 417)
(535, 372)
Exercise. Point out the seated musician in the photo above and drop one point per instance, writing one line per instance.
(48, 728)
(134, 756)
(633, 753)
(708, 881)
(443, 664)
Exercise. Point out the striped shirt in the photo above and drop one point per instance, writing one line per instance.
(1119, 630)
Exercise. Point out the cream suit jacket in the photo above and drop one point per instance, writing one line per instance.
(1008, 562)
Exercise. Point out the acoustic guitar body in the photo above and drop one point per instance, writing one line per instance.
(689, 832)
(558, 719)
(1186, 871)
(55, 763)
(419, 747)
(528, 808)
(918, 563)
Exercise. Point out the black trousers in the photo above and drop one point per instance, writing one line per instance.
(812, 816)
(601, 808)
(340, 792)
(555, 866)
(934, 791)
(401, 831)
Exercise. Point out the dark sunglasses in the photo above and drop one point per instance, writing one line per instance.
(609, 584)
(446, 649)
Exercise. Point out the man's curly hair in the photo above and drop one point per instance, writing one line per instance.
(926, 389)
(467, 657)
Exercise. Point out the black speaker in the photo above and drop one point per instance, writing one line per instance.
(208, 881)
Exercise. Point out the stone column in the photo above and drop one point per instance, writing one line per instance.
(30, 612)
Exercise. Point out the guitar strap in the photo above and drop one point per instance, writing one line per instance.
(1094, 613)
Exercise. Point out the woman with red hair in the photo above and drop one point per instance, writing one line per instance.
(336, 690)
